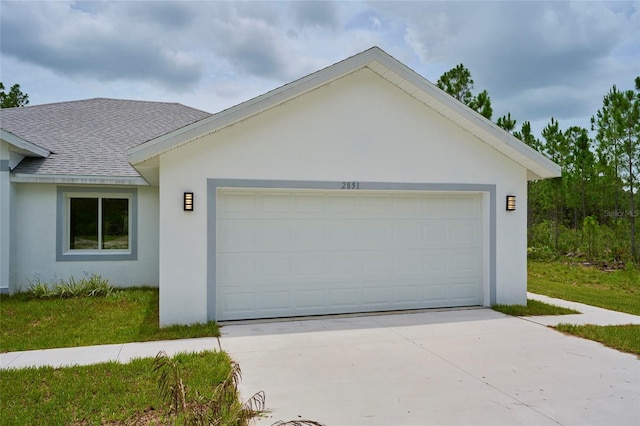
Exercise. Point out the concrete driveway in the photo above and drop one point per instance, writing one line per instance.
(456, 367)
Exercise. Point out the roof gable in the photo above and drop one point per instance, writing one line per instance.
(387, 67)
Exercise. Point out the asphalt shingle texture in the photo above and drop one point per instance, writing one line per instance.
(91, 137)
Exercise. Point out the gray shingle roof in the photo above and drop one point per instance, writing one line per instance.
(91, 137)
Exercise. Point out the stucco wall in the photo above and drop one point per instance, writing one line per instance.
(358, 128)
(34, 242)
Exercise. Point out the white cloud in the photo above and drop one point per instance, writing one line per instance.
(536, 59)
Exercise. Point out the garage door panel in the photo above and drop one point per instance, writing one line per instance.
(376, 296)
(435, 263)
(272, 235)
(233, 267)
(276, 265)
(309, 203)
(408, 262)
(462, 207)
(376, 234)
(343, 236)
(236, 303)
(344, 263)
(309, 252)
(436, 292)
(435, 207)
(310, 300)
(406, 234)
(463, 293)
(406, 206)
(434, 232)
(463, 262)
(374, 206)
(235, 203)
(376, 264)
(342, 203)
(345, 297)
(407, 294)
(464, 231)
(276, 300)
(279, 203)
(308, 265)
(235, 235)
(308, 235)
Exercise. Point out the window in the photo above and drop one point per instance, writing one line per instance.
(96, 224)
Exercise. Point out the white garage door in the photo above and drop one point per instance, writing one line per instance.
(307, 252)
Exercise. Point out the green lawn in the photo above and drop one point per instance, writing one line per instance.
(108, 393)
(624, 338)
(533, 307)
(129, 315)
(617, 290)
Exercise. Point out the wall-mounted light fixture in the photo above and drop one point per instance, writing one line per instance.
(188, 201)
(511, 203)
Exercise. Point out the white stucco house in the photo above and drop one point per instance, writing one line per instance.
(362, 187)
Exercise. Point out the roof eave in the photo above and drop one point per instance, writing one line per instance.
(78, 179)
(24, 147)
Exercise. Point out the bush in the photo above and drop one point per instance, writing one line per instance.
(544, 253)
(596, 242)
(89, 286)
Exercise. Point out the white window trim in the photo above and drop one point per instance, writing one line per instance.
(63, 224)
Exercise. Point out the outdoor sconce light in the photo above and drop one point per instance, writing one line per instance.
(188, 201)
(511, 203)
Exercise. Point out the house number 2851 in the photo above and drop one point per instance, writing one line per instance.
(350, 185)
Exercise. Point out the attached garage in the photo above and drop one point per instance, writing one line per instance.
(282, 252)
(359, 188)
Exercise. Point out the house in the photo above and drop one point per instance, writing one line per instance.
(64, 171)
(359, 188)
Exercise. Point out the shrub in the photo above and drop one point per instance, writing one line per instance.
(89, 286)
(598, 242)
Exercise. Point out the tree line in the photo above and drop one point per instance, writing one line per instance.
(592, 209)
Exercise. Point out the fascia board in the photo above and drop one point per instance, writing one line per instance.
(249, 108)
(24, 145)
(78, 179)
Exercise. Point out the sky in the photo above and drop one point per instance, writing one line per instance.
(536, 59)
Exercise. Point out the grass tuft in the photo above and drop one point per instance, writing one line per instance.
(533, 307)
(625, 338)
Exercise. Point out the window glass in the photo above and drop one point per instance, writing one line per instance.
(98, 223)
(115, 223)
(83, 227)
